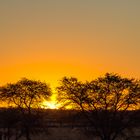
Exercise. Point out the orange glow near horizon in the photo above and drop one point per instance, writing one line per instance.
(49, 105)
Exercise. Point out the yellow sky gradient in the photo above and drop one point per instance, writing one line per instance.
(46, 40)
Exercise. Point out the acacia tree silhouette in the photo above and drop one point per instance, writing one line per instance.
(26, 95)
(105, 102)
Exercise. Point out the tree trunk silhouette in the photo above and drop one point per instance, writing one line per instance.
(0, 135)
(28, 134)
(8, 134)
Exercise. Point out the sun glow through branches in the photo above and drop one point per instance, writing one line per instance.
(49, 105)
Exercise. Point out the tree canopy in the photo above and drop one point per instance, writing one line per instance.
(105, 102)
(25, 93)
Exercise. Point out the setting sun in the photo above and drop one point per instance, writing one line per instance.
(49, 105)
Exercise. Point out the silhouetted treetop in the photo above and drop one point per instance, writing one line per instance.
(108, 92)
(113, 92)
(104, 102)
(25, 93)
(71, 92)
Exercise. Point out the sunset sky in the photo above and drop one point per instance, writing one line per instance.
(48, 39)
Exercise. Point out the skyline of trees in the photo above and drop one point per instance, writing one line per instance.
(10, 100)
(109, 104)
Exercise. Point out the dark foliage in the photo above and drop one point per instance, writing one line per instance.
(104, 102)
